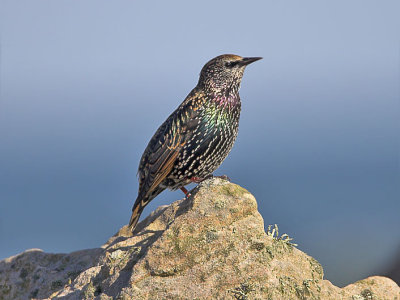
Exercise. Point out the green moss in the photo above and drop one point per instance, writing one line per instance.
(291, 289)
(277, 248)
(211, 236)
(270, 251)
(232, 190)
(189, 247)
(225, 251)
(316, 268)
(191, 229)
(284, 241)
(117, 260)
(242, 292)
(219, 203)
(124, 296)
(165, 273)
(367, 294)
(4, 290)
(88, 293)
(257, 246)
(367, 281)
(233, 210)
(182, 243)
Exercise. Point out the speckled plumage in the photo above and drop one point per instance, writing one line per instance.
(197, 136)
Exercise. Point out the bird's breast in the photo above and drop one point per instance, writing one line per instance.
(208, 143)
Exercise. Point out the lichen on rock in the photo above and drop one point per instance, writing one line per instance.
(210, 246)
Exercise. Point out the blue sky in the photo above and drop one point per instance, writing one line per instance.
(85, 84)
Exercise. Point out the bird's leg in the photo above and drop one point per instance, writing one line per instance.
(186, 192)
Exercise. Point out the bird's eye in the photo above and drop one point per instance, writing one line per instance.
(230, 64)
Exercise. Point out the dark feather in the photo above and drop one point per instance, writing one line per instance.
(162, 152)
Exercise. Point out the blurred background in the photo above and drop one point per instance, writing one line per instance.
(84, 85)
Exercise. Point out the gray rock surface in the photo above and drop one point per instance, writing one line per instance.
(211, 246)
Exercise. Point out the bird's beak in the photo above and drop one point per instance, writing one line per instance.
(248, 60)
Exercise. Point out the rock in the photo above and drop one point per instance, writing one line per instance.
(211, 246)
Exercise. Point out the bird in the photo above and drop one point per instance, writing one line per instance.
(195, 139)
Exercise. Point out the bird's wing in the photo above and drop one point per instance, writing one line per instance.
(163, 149)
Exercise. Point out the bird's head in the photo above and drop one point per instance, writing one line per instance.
(223, 74)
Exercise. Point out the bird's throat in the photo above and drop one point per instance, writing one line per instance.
(227, 101)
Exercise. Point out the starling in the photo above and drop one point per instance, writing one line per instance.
(194, 140)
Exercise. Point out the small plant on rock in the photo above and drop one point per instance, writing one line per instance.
(285, 238)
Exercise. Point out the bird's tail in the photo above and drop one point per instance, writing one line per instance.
(140, 204)
(136, 212)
